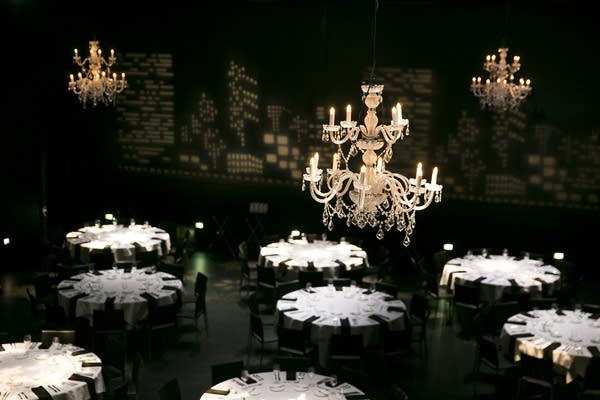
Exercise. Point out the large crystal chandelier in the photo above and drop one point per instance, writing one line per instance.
(373, 196)
(499, 90)
(94, 84)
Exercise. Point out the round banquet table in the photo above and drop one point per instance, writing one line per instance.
(63, 371)
(497, 274)
(326, 256)
(569, 338)
(129, 291)
(264, 386)
(121, 240)
(327, 310)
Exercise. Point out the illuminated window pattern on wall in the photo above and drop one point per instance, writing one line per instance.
(507, 131)
(243, 101)
(244, 163)
(145, 110)
(413, 88)
(203, 136)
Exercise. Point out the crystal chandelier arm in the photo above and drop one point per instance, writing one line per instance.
(338, 185)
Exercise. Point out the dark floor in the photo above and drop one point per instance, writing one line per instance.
(443, 371)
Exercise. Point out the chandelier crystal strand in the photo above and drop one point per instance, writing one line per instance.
(373, 196)
(94, 84)
(499, 91)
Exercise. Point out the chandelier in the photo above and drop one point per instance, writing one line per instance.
(499, 91)
(92, 83)
(373, 196)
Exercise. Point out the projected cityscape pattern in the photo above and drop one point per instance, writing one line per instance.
(509, 160)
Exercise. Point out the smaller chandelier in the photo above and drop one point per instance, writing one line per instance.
(499, 91)
(92, 83)
(374, 196)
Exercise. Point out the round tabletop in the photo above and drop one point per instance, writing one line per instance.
(62, 371)
(290, 385)
(497, 274)
(325, 255)
(329, 311)
(569, 337)
(130, 291)
(122, 240)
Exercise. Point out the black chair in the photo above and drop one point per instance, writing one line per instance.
(466, 294)
(388, 288)
(224, 371)
(257, 332)
(199, 303)
(107, 323)
(591, 308)
(44, 290)
(146, 258)
(542, 303)
(293, 341)
(537, 378)
(440, 258)
(55, 317)
(266, 315)
(247, 272)
(591, 380)
(170, 390)
(65, 336)
(269, 287)
(114, 365)
(313, 276)
(102, 259)
(355, 274)
(468, 321)
(345, 349)
(294, 363)
(175, 269)
(488, 355)
(497, 315)
(160, 319)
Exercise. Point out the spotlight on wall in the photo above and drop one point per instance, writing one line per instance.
(108, 216)
(448, 246)
(559, 256)
(199, 225)
(6, 241)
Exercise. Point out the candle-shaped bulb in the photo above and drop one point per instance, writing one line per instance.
(528, 82)
(348, 113)
(332, 116)
(79, 75)
(474, 80)
(316, 160)
(75, 51)
(112, 52)
(419, 175)
(71, 77)
(123, 75)
(434, 176)
(103, 74)
(114, 76)
(361, 177)
(99, 52)
(334, 163)
(399, 111)
(394, 116)
(379, 167)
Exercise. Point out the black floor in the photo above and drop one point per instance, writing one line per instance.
(443, 371)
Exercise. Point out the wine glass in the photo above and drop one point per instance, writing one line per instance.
(27, 339)
(276, 372)
(244, 375)
(333, 380)
(308, 287)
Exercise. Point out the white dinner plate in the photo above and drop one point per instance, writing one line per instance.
(277, 387)
(301, 387)
(321, 393)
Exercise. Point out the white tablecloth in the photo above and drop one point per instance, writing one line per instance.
(331, 306)
(304, 387)
(326, 255)
(120, 239)
(571, 336)
(497, 272)
(23, 368)
(126, 288)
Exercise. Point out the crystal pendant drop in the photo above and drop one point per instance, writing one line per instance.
(406, 241)
(380, 234)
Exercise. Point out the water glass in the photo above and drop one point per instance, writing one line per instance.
(505, 252)
(244, 375)
(484, 253)
(353, 285)
(333, 380)
(276, 372)
(308, 286)
(27, 339)
(311, 372)
(56, 340)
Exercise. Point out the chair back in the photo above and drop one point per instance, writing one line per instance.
(388, 288)
(346, 346)
(466, 294)
(488, 351)
(293, 363)
(265, 275)
(146, 258)
(109, 320)
(313, 276)
(538, 368)
(468, 319)
(170, 390)
(256, 327)
(200, 284)
(65, 336)
(56, 318)
(499, 313)
(224, 371)
(103, 259)
(440, 258)
(291, 340)
(175, 269)
(43, 286)
(591, 381)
